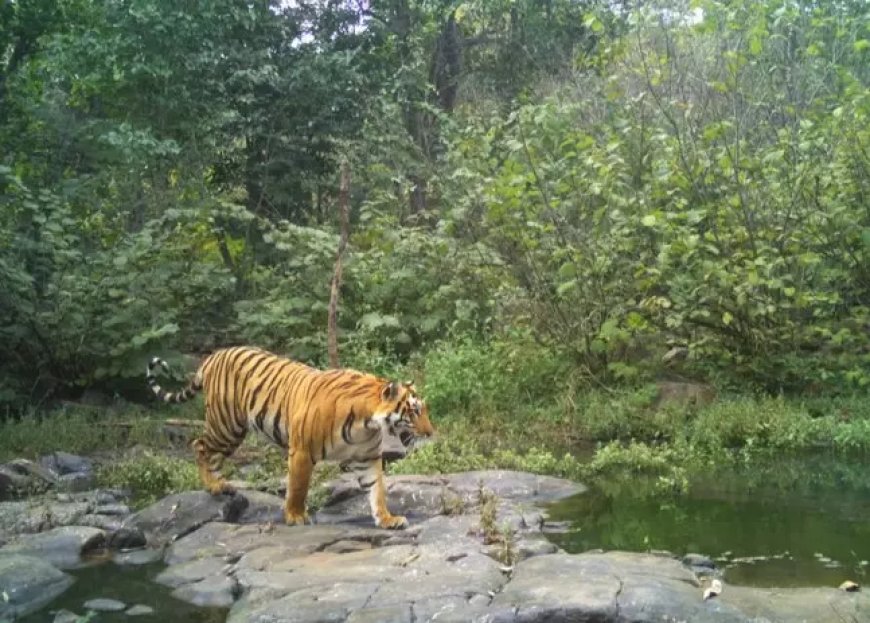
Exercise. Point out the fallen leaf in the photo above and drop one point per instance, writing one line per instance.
(713, 590)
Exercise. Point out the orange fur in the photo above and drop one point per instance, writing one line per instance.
(333, 415)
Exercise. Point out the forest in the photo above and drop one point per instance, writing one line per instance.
(553, 204)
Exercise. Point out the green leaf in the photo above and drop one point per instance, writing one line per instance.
(649, 220)
(727, 318)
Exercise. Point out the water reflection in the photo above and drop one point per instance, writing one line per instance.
(131, 585)
(797, 521)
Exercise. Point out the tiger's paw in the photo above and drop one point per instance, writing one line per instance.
(222, 488)
(296, 519)
(392, 522)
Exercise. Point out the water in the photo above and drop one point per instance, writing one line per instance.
(132, 585)
(797, 521)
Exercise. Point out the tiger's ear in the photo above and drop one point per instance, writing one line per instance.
(390, 391)
(409, 384)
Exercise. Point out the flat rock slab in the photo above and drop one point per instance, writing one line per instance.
(29, 584)
(428, 496)
(179, 514)
(232, 541)
(62, 547)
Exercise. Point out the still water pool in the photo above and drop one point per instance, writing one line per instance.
(794, 521)
(132, 585)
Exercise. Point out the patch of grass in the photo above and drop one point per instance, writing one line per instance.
(451, 503)
(150, 476)
(80, 430)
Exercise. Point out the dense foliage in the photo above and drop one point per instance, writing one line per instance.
(552, 193)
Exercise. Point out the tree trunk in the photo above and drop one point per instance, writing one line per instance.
(344, 226)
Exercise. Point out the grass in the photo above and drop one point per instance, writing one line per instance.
(150, 476)
(90, 430)
(495, 406)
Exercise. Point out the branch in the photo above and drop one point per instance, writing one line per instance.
(344, 226)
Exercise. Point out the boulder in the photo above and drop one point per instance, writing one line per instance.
(181, 513)
(29, 583)
(126, 538)
(217, 591)
(42, 513)
(62, 547)
(23, 476)
(64, 463)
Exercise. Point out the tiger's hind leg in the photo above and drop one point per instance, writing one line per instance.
(211, 449)
(209, 462)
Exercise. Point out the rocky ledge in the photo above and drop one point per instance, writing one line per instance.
(475, 551)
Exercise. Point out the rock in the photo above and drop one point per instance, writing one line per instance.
(126, 538)
(606, 587)
(809, 605)
(65, 616)
(191, 571)
(62, 547)
(179, 514)
(218, 591)
(322, 604)
(139, 610)
(221, 540)
(418, 496)
(62, 509)
(370, 585)
(534, 546)
(103, 522)
(262, 507)
(698, 560)
(64, 463)
(23, 476)
(29, 583)
(701, 565)
(77, 482)
(344, 547)
(119, 510)
(105, 605)
(138, 557)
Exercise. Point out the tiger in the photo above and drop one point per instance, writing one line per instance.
(338, 415)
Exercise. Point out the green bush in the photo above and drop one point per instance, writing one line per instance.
(151, 476)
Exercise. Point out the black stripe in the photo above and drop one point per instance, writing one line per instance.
(347, 426)
(242, 379)
(276, 429)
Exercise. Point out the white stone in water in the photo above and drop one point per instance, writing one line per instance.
(105, 605)
(65, 616)
(139, 610)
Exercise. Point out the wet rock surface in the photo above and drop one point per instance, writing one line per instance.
(62, 547)
(28, 583)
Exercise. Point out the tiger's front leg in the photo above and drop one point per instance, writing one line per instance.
(300, 467)
(373, 479)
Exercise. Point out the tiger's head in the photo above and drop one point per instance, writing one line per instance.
(404, 414)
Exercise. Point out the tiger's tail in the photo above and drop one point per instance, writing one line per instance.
(183, 396)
